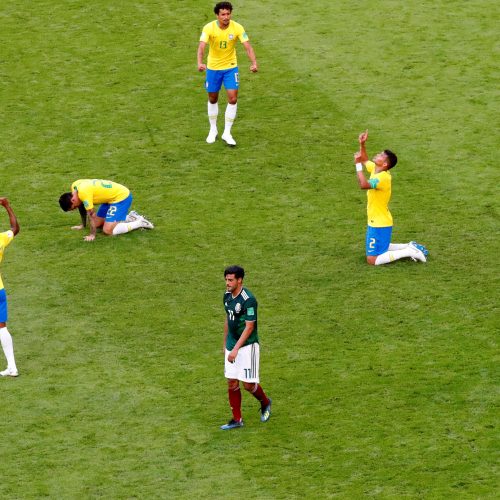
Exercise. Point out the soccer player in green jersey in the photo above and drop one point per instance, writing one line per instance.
(241, 347)
(222, 67)
(379, 249)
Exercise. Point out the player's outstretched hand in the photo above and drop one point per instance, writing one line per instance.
(89, 237)
(4, 202)
(363, 137)
(254, 68)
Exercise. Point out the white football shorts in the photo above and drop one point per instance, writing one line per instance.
(246, 364)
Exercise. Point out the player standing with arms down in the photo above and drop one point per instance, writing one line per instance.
(115, 200)
(241, 347)
(222, 67)
(379, 249)
(5, 337)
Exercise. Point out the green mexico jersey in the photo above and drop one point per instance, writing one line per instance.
(240, 309)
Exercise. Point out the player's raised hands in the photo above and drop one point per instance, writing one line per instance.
(358, 157)
(363, 137)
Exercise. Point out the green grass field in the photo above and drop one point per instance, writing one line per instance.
(384, 380)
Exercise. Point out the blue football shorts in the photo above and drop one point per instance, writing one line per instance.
(378, 240)
(216, 77)
(115, 212)
(3, 306)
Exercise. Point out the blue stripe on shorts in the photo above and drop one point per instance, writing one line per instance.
(3, 306)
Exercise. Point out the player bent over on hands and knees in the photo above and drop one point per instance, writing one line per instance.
(379, 249)
(5, 337)
(222, 68)
(241, 347)
(115, 201)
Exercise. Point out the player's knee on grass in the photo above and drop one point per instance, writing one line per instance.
(371, 259)
(108, 227)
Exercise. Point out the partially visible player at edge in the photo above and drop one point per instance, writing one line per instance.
(241, 347)
(5, 337)
(379, 249)
(222, 67)
(115, 200)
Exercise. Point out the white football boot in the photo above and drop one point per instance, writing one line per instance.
(9, 372)
(228, 139)
(132, 216)
(146, 224)
(417, 253)
(212, 135)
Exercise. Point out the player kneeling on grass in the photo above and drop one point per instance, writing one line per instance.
(241, 347)
(379, 249)
(5, 337)
(112, 216)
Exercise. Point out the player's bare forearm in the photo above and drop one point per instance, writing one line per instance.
(363, 183)
(363, 155)
(363, 137)
(225, 336)
(200, 55)
(245, 334)
(14, 225)
(250, 325)
(92, 225)
(251, 55)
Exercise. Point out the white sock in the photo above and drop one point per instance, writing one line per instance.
(398, 246)
(8, 348)
(230, 116)
(391, 256)
(126, 227)
(213, 112)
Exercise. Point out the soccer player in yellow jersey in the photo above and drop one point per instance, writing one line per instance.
(222, 68)
(115, 201)
(5, 337)
(379, 249)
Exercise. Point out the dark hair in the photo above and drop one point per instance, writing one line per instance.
(65, 201)
(223, 5)
(391, 157)
(83, 214)
(238, 271)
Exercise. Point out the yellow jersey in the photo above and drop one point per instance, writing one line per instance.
(222, 44)
(96, 191)
(5, 240)
(379, 196)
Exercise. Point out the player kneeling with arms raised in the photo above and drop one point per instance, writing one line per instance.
(115, 201)
(241, 347)
(379, 249)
